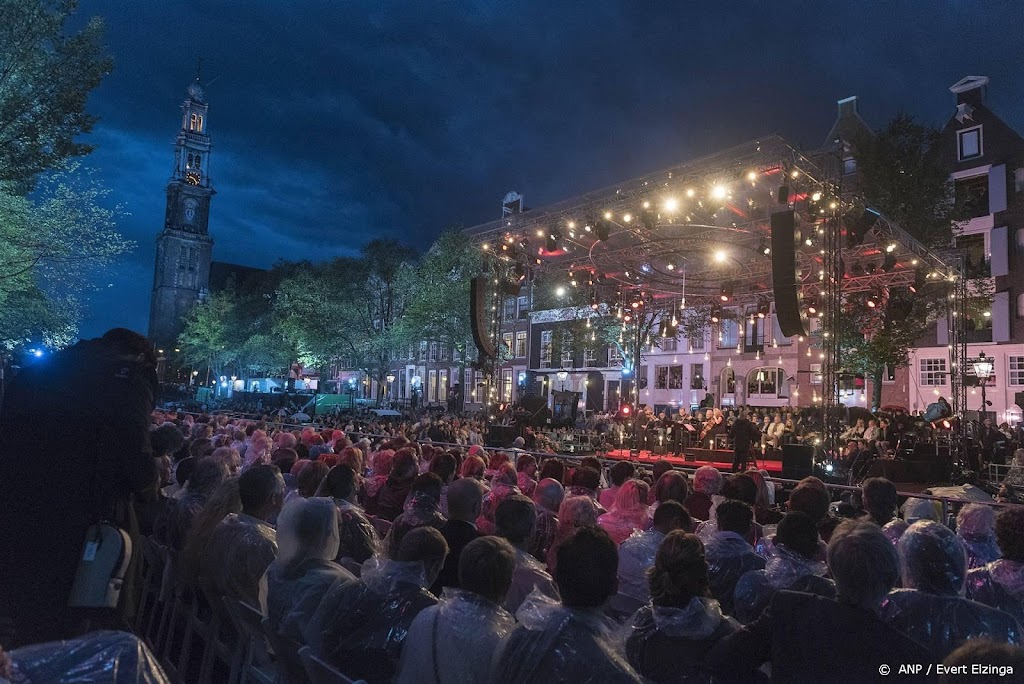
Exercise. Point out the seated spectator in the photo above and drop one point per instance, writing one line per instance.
(308, 479)
(230, 457)
(737, 487)
(574, 513)
(422, 508)
(789, 633)
(571, 640)
(636, 556)
(728, 552)
(223, 502)
(629, 513)
(764, 513)
(660, 467)
(307, 537)
(526, 465)
(930, 608)
(377, 475)
(975, 525)
(204, 480)
(473, 467)
(668, 640)
(619, 473)
(791, 565)
(915, 510)
(360, 626)
(554, 469)
(455, 640)
(465, 498)
(390, 499)
(670, 486)
(585, 482)
(707, 482)
(358, 539)
(1000, 584)
(444, 466)
(516, 520)
(244, 544)
(880, 500)
(503, 485)
(547, 497)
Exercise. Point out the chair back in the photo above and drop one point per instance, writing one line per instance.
(322, 672)
(286, 655)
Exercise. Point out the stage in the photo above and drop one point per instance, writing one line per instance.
(695, 458)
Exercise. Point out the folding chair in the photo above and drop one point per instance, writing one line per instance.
(286, 655)
(250, 661)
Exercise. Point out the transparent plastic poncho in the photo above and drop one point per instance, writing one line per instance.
(636, 557)
(785, 569)
(556, 643)
(999, 584)
(729, 557)
(107, 656)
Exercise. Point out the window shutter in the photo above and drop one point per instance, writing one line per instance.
(942, 331)
(1001, 317)
(1000, 252)
(997, 189)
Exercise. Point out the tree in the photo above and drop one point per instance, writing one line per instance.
(901, 174)
(46, 75)
(438, 309)
(210, 336)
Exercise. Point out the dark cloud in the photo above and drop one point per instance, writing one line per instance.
(334, 123)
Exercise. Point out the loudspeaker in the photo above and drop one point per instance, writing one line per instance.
(478, 318)
(797, 461)
(784, 194)
(787, 307)
(501, 436)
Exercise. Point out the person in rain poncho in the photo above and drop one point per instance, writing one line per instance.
(516, 521)
(930, 608)
(636, 557)
(975, 526)
(728, 553)
(791, 565)
(668, 639)
(1000, 584)
(571, 640)
(422, 508)
(358, 540)
(295, 583)
(629, 513)
(455, 640)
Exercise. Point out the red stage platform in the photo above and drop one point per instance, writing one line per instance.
(719, 459)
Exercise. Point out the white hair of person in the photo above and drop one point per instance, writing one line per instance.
(707, 480)
(977, 520)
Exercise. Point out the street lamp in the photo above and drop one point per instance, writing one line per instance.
(390, 377)
(562, 375)
(983, 369)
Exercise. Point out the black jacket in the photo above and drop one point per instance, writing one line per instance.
(458, 533)
(813, 639)
(74, 441)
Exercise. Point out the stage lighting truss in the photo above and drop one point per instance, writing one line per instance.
(700, 225)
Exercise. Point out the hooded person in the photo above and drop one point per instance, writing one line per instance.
(422, 508)
(1000, 584)
(516, 521)
(791, 565)
(358, 539)
(295, 583)
(637, 555)
(729, 554)
(390, 500)
(930, 607)
(504, 483)
(629, 513)
(668, 639)
(975, 526)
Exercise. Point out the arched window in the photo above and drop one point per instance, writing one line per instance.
(195, 123)
(198, 160)
(1020, 306)
(189, 163)
(728, 381)
(765, 382)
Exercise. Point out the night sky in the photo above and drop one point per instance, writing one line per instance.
(335, 123)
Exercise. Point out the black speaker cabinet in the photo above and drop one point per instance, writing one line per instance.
(797, 461)
(784, 283)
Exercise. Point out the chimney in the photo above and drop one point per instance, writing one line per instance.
(970, 90)
(847, 107)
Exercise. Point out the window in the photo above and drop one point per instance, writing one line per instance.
(545, 349)
(566, 351)
(696, 376)
(1017, 370)
(972, 195)
(521, 344)
(933, 372)
(661, 377)
(888, 375)
(697, 342)
(442, 385)
(763, 381)
(195, 123)
(728, 381)
(589, 358)
(670, 344)
(1020, 306)
(456, 354)
(506, 341)
(433, 352)
(978, 265)
(849, 165)
(508, 310)
(523, 306)
(432, 386)
(444, 352)
(728, 333)
(423, 351)
(1018, 179)
(506, 384)
(969, 143)
(614, 356)
(675, 377)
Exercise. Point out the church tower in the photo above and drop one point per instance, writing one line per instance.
(181, 275)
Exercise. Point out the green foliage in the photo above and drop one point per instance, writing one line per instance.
(46, 75)
(438, 289)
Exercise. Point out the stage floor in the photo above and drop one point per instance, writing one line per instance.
(647, 458)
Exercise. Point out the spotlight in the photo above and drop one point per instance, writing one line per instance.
(671, 205)
(763, 247)
(551, 244)
(626, 218)
(752, 176)
(625, 410)
(888, 262)
(812, 306)
(816, 197)
(874, 300)
(520, 272)
(719, 192)
(762, 309)
(607, 216)
(560, 292)
(891, 247)
(858, 225)
(716, 313)
(720, 256)
(690, 192)
(725, 293)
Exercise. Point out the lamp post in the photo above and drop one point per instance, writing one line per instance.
(390, 377)
(562, 375)
(983, 369)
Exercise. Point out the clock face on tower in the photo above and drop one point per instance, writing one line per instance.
(192, 178)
